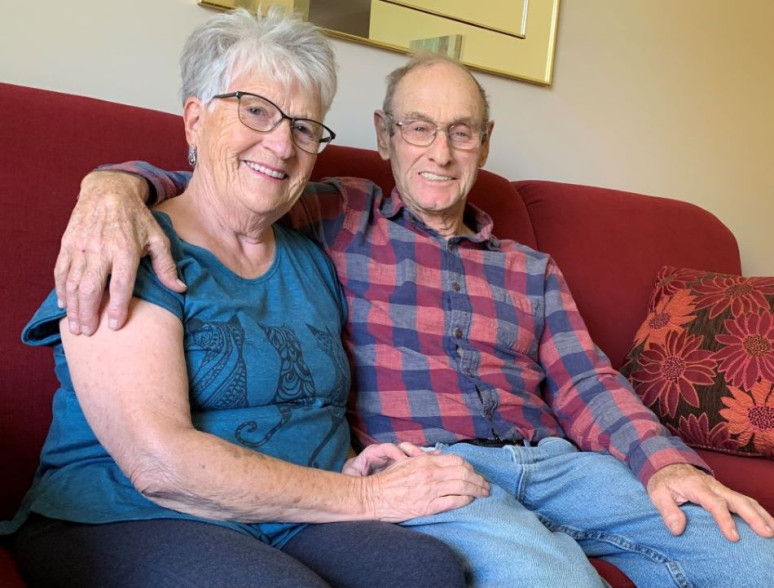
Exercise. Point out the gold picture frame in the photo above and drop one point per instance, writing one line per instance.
(510, 38)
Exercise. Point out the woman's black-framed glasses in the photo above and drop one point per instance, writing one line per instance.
(262, 115)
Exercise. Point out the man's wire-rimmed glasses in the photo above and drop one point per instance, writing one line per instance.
(422, 133)
(262, 115)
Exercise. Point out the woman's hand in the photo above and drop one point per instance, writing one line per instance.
(420, 484)
(109, 230)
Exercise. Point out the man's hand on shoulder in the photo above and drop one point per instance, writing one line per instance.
(109, 230)
(677, 484)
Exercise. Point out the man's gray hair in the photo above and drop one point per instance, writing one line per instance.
(279, 45)
(424, 59)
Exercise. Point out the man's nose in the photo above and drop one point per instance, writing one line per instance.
(440, 150)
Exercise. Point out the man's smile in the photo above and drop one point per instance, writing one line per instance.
(435, 177)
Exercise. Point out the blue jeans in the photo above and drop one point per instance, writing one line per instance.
(551, 506)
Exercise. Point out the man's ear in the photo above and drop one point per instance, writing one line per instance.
(484, 153)
(193, 112)
(382, 134)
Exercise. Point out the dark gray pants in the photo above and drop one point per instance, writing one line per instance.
(173, 553)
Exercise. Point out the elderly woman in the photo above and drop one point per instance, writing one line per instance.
(205, 443)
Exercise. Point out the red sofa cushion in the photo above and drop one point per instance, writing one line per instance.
(9, 573)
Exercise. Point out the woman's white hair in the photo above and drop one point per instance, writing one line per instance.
(279, 45)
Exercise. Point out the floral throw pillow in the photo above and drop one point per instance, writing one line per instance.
(703, 359)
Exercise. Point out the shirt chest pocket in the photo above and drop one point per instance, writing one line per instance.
(514, 325)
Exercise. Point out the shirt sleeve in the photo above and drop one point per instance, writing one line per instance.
(595, 404)
(321, 211)
(161, 184)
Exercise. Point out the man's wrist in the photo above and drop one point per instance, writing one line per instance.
(109, 176)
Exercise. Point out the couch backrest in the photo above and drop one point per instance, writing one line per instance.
(48, 141)
(609, 244)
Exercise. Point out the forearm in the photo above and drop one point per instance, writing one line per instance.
(159, 184)
(607, 416)
(205, 476)
(212, 478)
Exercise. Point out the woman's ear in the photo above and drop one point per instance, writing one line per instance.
(193, 113)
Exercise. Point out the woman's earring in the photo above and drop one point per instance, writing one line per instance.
(192, 156)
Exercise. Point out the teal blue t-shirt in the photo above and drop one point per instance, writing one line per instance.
(266, 369)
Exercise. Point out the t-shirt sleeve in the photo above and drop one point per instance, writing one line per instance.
(149, 288)
(43, 328)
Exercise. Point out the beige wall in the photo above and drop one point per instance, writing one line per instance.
(660, 97)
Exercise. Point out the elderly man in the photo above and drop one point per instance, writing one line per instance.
(474, 346)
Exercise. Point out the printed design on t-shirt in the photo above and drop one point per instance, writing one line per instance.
(249, 428)
(220, 382)
(294, 385)
(331, 345)
(295, 382)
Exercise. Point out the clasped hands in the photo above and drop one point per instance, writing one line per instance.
(409, 482)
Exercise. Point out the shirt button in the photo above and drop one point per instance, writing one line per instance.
(450, 246)
(458, 333)
(456, 286)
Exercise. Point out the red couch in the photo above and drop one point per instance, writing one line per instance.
(609, 243)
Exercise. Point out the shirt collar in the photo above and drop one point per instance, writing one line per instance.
(393, 208)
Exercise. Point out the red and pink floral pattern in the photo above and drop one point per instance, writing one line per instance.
(703, 359)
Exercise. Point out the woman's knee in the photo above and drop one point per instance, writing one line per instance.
(374, 554)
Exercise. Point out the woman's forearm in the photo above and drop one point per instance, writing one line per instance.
(205, 476)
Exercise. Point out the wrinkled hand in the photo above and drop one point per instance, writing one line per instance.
(110, 229)
(421, 485)
(378, 456)
(680, 483)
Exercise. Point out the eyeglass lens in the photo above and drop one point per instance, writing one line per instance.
(422, 133)
(261, 115)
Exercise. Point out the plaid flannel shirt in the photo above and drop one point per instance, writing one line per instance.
(467, 337)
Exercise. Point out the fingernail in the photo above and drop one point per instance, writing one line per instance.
(73, 326)
(113, 324)
(60, 303)
(181, 283)
(86, 330)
